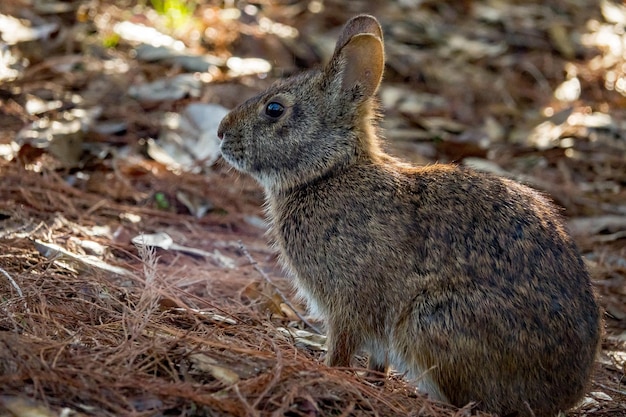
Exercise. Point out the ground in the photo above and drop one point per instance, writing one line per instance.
(135, 277)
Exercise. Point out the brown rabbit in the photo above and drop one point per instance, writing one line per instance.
(466, 282)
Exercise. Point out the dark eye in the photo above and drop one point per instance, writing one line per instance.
(274, 110)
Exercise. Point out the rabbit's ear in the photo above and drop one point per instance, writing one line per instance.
(363, 58)
(359, 57)
(356, 26)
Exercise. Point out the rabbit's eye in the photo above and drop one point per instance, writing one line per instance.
(274, 110)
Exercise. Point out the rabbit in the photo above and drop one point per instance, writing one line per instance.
(465, 282)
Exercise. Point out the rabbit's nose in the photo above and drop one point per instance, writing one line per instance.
(221, 130)
(225, 128)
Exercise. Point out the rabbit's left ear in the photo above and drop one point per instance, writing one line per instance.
(359, 57)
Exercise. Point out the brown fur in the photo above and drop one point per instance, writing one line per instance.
(466, 282)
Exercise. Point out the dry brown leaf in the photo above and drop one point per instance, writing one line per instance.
(205, 363)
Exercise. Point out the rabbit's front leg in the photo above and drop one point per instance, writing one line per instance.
(378, 364)
(343, 343)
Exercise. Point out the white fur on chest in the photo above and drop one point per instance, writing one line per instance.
(314, 307)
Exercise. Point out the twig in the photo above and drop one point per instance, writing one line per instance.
(12, 281)
(537, 75)
(275, 377)
(282, 296)
(617, 391)
(17, 288)
(250, 409)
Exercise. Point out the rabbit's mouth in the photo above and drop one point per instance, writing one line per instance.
(232, 152)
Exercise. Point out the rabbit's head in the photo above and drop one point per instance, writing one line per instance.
(306, 125)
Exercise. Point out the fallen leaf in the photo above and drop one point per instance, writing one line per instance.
(70, 260)
(304, 338)
(188, 141)
(164, 241)
(26, 407)
(173, 88)
(207, 364)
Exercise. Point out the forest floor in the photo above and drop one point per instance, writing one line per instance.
(135, 277)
